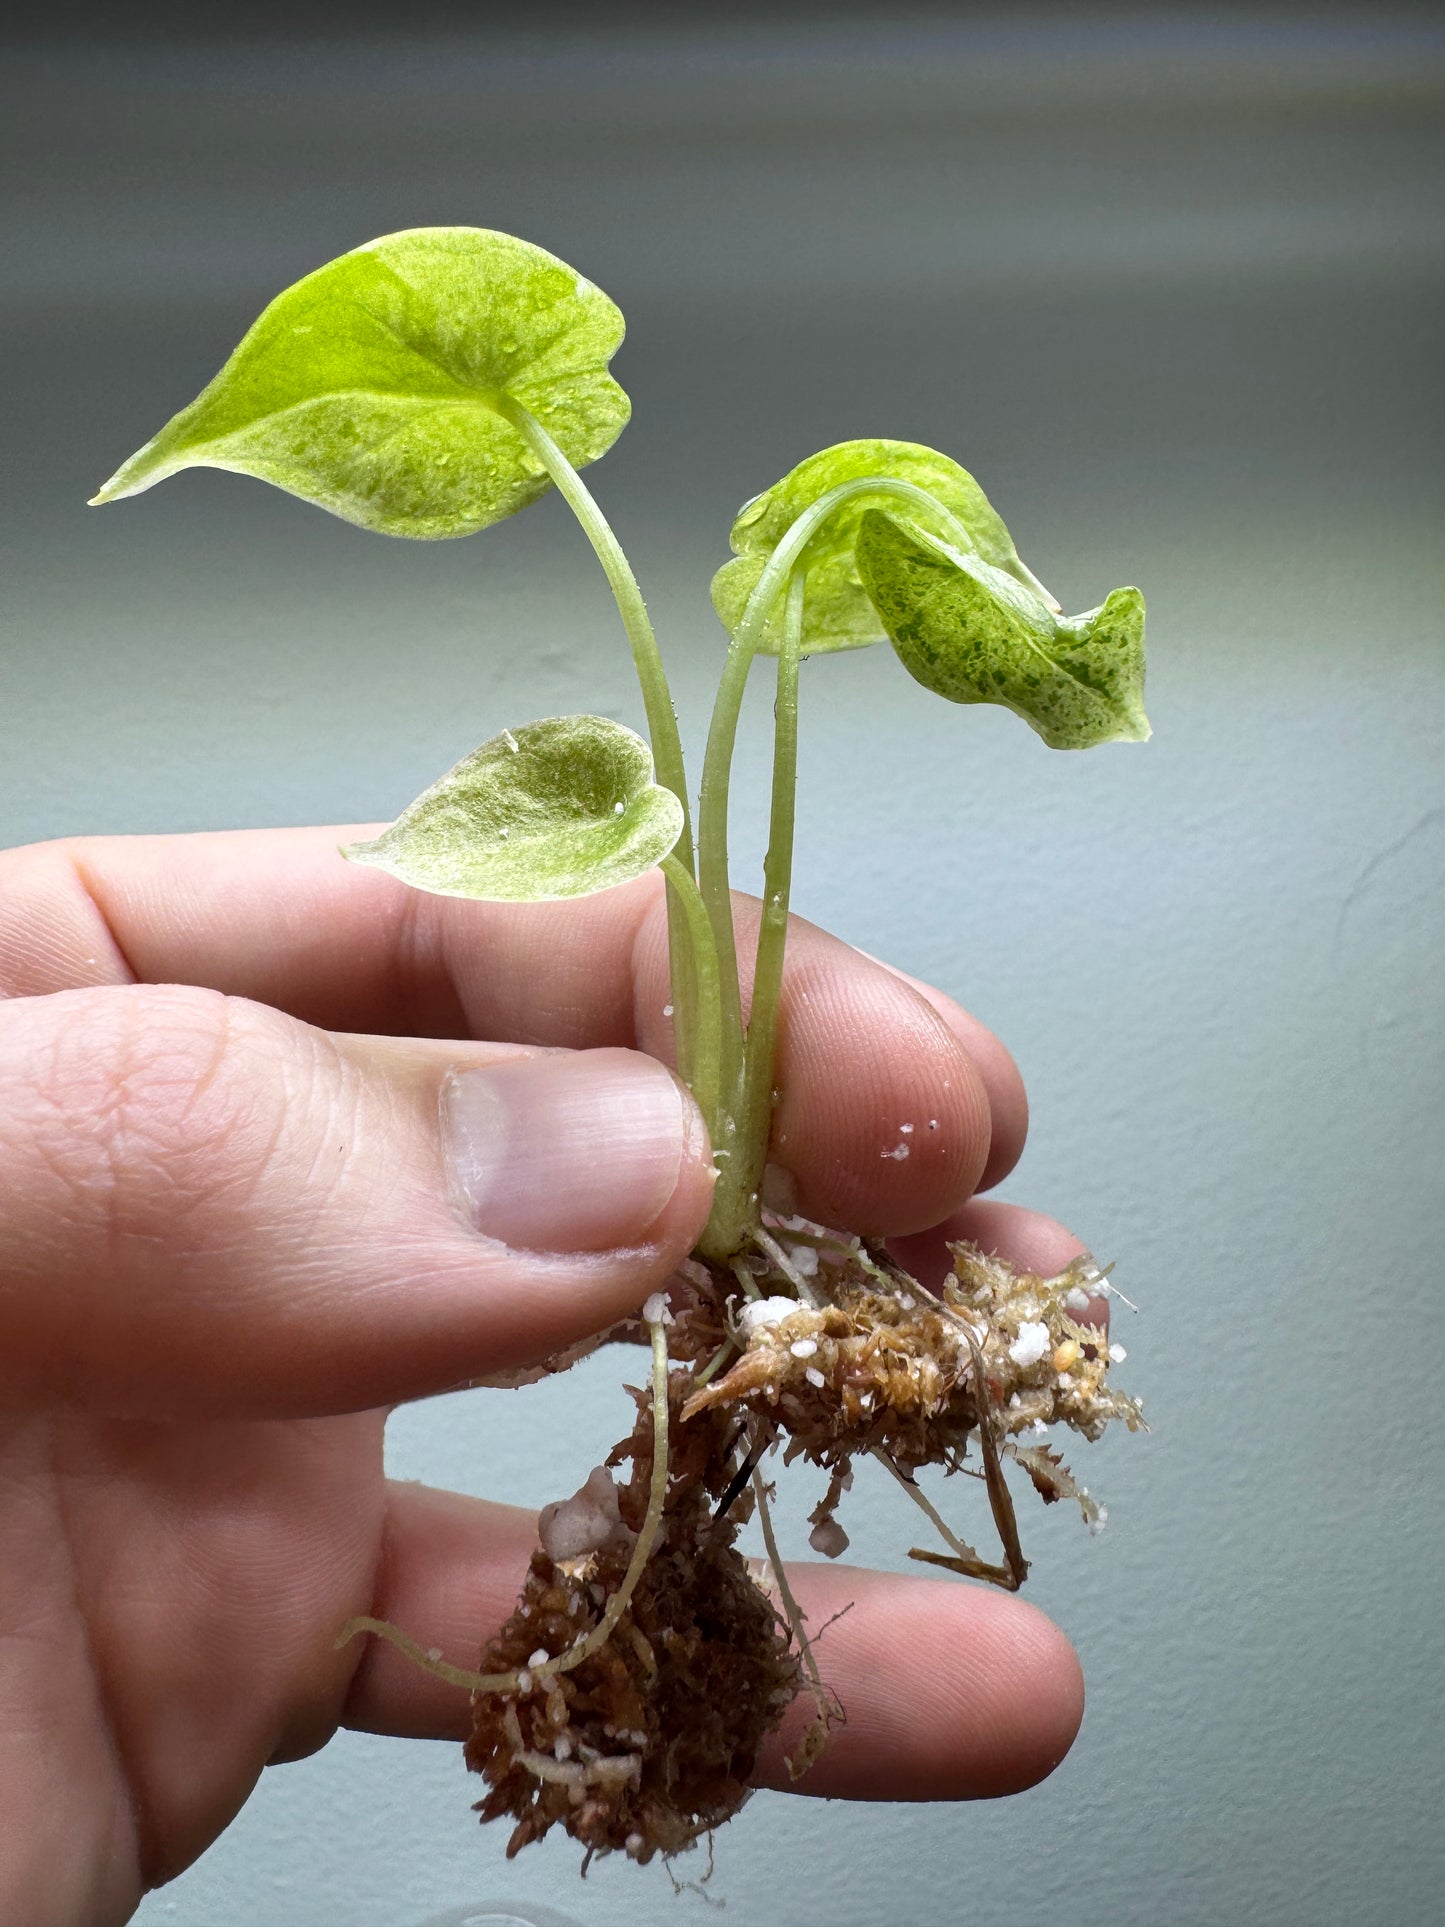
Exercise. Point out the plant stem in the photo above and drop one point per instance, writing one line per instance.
(746, 1074)
(702, 959)
(656, 697)
(741, 1142)
(777, 888)
(712, 860)
(742, 1177)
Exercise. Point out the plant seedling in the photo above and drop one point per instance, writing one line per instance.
(428, 385)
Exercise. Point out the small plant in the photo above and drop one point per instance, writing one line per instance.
(428, 385)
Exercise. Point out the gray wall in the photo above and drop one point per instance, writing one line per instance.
(1170, 285)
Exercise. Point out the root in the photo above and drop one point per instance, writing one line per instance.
(698, 1886)
(962, 1558)
(815, 1735)
(638, 1677)
(429, 1662)
(617, 1605)
(718, 1359)
(960, 1548)
(805, 1293)
(745, 1279)
(646, 1539)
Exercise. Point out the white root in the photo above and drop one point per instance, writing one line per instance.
(616, 1606)
(827, 1706)
(790, 1271)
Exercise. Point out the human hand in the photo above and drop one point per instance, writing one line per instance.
(232, 1236)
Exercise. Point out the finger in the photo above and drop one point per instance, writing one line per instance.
(1008, 1100)
(276, 916)
(208, 1207)
(882, 1121)
(950, 1691)
(1021, 1237)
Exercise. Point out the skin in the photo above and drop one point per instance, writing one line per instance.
(227, 1247)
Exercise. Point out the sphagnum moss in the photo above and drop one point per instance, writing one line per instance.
(433, 383)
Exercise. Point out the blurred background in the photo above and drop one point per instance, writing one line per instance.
(1169, 283)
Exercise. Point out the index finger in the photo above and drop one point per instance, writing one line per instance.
(278, 917)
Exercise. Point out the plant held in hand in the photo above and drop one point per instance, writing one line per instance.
(428, 385)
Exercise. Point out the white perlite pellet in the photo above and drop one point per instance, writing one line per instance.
(760, 1312)
(1031, 1344)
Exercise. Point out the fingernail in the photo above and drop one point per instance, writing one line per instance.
(570, 1151)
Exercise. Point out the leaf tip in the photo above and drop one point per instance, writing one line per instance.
(133, 477)
(111, 491)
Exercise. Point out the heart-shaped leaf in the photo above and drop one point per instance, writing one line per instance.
(971, 633)
(559, 808)
(379, 386)
(837, 611)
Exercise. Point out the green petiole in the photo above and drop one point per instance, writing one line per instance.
(735, 1205)
(656, 695)
(687, 991)
(701, 961)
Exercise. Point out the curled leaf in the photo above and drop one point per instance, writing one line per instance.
(378, 387)
(971, 633)
(837, 611)
(559, 808)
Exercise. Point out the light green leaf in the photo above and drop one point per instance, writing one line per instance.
(379, 386)
(837, 612)
(971, 633)
(559, 808)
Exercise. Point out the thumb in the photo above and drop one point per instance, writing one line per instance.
(208, 1207)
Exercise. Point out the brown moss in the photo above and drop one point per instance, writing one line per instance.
(879, 1364)
(651, 1741)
